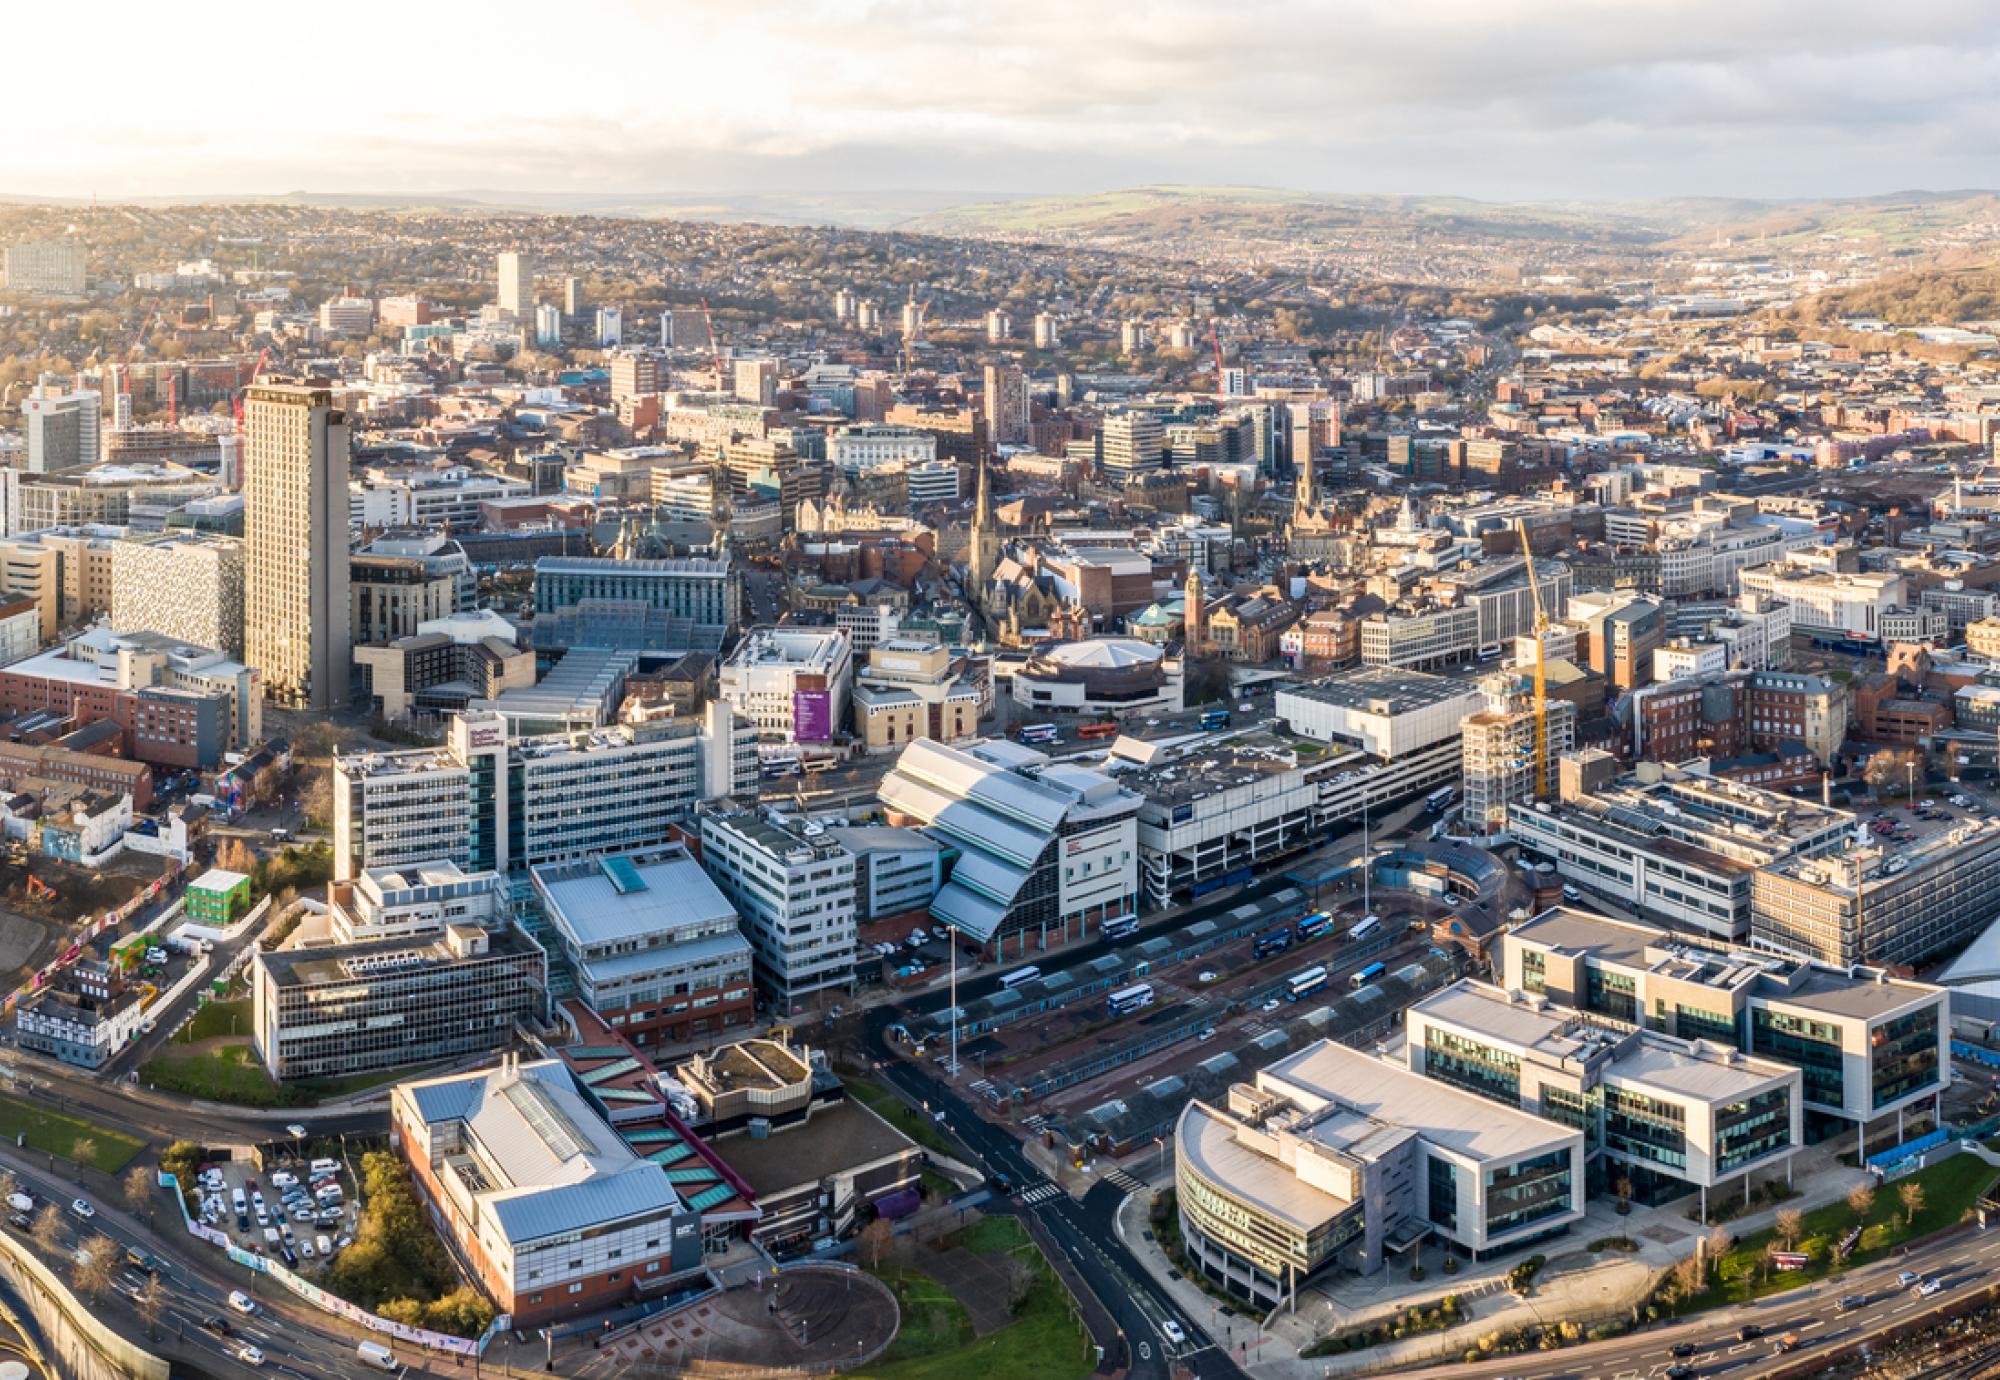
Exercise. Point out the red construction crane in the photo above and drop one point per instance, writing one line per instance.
(263, 358)
(714, 350)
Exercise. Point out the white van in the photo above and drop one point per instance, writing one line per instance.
(242, 1302)
(324, 1167)
(376, 1355)
(1571, 894)
(20, 1202)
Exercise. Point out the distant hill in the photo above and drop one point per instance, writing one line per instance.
(1929, 297)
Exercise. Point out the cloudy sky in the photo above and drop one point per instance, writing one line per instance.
(1500, 99)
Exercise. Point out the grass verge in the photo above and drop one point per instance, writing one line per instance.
(1950, 1188)
(216, 1020)
(1044, 1342)
(73, 1138)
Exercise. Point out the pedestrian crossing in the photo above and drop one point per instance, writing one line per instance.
(1035, 1123)
(1119, 1178)
(1040, 1192)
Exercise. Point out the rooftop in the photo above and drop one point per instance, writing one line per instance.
(1380, 690)
(838, 1137)
(648, 895)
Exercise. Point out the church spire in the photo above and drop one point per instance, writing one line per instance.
(985, 538)
(1305, 506)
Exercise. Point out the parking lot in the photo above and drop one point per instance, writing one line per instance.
(286, 1212)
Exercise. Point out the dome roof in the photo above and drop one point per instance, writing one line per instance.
(1104, 653)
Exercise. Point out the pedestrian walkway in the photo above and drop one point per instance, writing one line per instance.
(1040, 1192)
(1121, 1179)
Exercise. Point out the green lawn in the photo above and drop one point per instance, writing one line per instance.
(60, 1134)
(992, 1235)
(936, 1341)
(216, 1020)
(899, 1114)
(1950, 1189)
(325, 1089)
(229, 1073)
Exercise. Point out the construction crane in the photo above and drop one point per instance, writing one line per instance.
(263, 358)
(1541, 680)
(714, 350)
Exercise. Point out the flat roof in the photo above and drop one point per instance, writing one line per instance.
(1403, 690)
(1461, 1122)
(1864, 998)
(1208, 1139)
(837, 1137)
(631, 896)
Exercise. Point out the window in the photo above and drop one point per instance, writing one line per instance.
(1527, 1191)
(1534, 971)
(576, 1288)
(1903, 1055)
(1443, 1181)
(1477, 1068)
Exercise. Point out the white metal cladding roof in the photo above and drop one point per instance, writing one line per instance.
(1208, 1139)
(532, 1214)
(533, 1124)
(967, 911)
(704, 950)
(977, 827)
(961, 774)
(1462, 1122)
(589, 909)
(989, 876)
(1113, 653)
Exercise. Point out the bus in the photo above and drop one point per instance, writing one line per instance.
(1305, 984)
(1019, 977)
(1038, 733)
(1107, 729)
(818, 765)
(1215, 718)
(1313, 926)
(1129, 1000)
(775, 767)
(1275, 942)
(1121, 927)
(1367, 975)
(1439, 800)
(1371, 925)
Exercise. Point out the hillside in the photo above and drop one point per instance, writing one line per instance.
(1931, 297)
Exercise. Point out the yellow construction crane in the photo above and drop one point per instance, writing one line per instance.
(1541, 683)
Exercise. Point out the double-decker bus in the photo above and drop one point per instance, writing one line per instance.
(774, 767)
(1038, 733)
(1107, 729)
(1121, 927)
(1371, 925)
(1215, 718)
(1313, 926)
(1018, 977)
(1367, 975)
(1305, 984)
(1439, 800)
(1130, 999)
(1275, 942)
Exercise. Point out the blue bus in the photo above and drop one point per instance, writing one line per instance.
(1275, 942)
(1314, 925)
(1367, 975)
(1305, 984)
(1129, 1000)
(1215, 718)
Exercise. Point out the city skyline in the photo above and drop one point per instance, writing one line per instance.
(1531, 100)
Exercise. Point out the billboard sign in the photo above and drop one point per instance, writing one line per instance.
(812, 716)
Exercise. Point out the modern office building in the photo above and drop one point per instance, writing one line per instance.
(1044, 847)
(1872, 1049)
(914, 689)
(402, 581)
(653, 946)
(1620, 631)
(1336, 1157)
(449, 664)
(1660, 1112)
(857, 450)
(1391, 714)
(793, 884)
(1678, 845)
(345, 1009)
(1131, 443)
(793, 683)
(486, 803)
(184, 586)
(634, 373)
(1881, 903)
(63, 426)
(517, 285)
(896, 871)
(1497, 592)
(1830, 605)
(296, 610)
(550, 1207)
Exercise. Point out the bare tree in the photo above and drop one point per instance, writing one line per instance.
(48, 1228)
(876, 1238)
(1910, 1194)
(1019, 1273)
(83, 1149)
(1688, 1277)
(139, 1190)
(94, 1262)
(10, 1183)
(1790, 1223)
(151, 1302)
(1715, 1246)
(1861, 1201)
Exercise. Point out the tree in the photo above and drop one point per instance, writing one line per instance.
(1018, 1270)
(83, 1149)
(10, 1183)
(94, 1263)
(139, 1190)
(876, 1238)
(1893, 769)
(151, 1302)
(48, 1228)
(1715, 1246)
(1861, 1201)
(1790, 1223)
(1911, 1194)
(1687, 1278)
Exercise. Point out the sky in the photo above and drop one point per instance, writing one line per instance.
(1495, 99)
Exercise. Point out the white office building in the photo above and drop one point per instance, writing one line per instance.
(792, 882)
(856, 450)
(775, 675)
